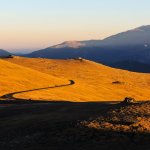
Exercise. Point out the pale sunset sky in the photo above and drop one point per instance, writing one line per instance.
(35, 24)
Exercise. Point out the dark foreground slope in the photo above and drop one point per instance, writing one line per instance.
(61, 126)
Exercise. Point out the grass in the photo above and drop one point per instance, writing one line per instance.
(16, 78)
(93, 81)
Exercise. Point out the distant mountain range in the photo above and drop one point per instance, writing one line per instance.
(127, 50)
(137, 36)
(4, 53)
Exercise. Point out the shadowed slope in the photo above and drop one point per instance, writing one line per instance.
(110, 127)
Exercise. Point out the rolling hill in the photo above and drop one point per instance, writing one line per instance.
(15, 78)
(93, 81)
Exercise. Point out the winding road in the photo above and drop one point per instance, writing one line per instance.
(10, 96)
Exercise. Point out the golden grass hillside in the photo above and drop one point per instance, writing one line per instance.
(15, 78)
(94, 82)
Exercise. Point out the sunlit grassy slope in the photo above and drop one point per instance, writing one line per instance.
(94, 82)
(15, 78)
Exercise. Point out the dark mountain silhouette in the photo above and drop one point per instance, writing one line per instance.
(4, 53)
(137, 36)
(132, 66)
(118, 50)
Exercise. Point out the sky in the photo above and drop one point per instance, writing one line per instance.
(27, 25)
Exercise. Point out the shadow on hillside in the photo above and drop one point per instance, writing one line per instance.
(9, 98)
(59, 123)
